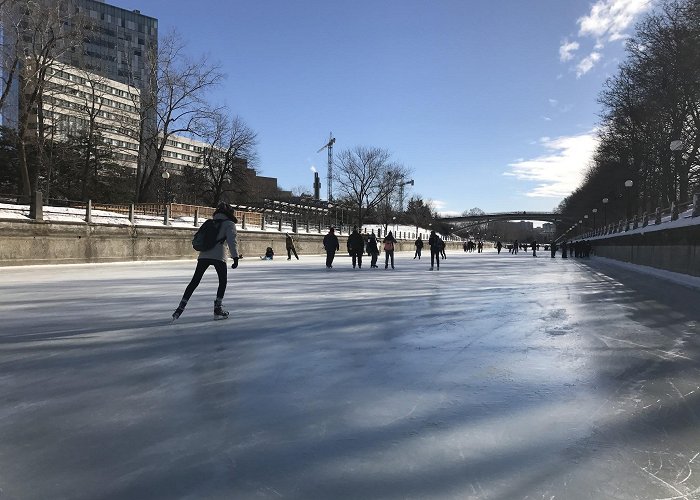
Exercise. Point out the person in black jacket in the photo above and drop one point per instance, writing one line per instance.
(436, 244)
(356, 247)
(419, 247)
(373, 249)
(331, 244)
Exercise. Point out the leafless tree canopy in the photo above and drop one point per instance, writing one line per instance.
(367, 177)
(232, 153)
(652, 101)
(178, 98)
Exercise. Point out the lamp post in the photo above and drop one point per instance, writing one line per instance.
(166, 196)
(676, 146)
(605, 211)
(628, 187)
(595, 211)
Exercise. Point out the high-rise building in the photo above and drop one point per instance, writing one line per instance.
(119, 44)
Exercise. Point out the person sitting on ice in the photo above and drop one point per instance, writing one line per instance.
(269, 254)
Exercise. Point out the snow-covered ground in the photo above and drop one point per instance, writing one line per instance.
(498, 377)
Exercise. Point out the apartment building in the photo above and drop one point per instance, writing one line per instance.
(75, 97)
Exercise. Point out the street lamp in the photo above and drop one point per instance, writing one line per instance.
(595, 211)
(628, 186)
(165, 175)
(605, 211)
(676, 146)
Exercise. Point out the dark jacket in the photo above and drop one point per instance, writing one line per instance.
(419, 243)
(330, 242)
(356, 244)
(372, 247)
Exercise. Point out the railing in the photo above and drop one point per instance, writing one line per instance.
(683, 210)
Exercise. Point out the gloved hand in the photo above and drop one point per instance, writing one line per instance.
(235, 263)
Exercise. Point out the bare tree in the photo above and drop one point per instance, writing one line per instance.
(177, 97)
(232, 151)
(367, 178)
(49, 29)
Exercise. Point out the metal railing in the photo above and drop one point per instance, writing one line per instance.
(682, 210)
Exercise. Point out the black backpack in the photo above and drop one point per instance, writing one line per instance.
(206, 236)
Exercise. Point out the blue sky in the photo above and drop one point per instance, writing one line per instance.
(490, 104)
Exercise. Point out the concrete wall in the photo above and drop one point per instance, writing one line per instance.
(675, 249)
(35, 242)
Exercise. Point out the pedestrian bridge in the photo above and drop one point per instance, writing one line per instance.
(505, 216)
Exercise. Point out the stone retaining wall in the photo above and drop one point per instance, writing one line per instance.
(675, 249)
(36, 242)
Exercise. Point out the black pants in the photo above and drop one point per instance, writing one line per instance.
(202, 265)
(330, 255)
(289, 253)
(374, 259)
(356, 259)
(434, 255)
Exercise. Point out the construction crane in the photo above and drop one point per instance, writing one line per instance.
(329, 146)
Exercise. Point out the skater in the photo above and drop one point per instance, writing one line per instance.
(533, 245)
(498, 247)
(435, 243)
(269, 254)
(389, 246)
(215, 256)
(553, 249)
(289, 243)
(331, 244)
(356, 248)
(419, 247)
(442, 248)
(373, 249)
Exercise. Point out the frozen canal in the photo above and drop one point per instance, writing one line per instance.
(498, 377)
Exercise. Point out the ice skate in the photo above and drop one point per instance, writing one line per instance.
(220, 313)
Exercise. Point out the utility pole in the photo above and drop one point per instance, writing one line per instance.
(329, 146)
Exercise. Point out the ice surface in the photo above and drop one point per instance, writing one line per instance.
(498, 377)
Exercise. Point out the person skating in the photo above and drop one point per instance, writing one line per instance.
(419, 247)
(289, 243)
(498, 247)
(373, 249)
(356, 247)
(389, 246)
(435, 243)
(331, 245)
(215, 256)
(533, 245)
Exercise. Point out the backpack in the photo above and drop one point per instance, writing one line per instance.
(388, 246)
(205, 237)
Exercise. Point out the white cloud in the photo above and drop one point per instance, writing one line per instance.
(561, 169)
(547, 118)
(608, 19)
(313, 168)
(567, 49)
(587, 63)
(553, 102)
